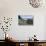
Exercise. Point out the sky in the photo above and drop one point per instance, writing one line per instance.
(27, 17)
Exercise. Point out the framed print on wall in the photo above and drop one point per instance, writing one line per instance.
(25, 19)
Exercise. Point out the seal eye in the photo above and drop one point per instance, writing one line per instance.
(35, 3)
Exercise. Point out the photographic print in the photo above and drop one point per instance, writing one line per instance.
(25, 19)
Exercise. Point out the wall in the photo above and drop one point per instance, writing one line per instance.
(45, 28)
(24, 32)
(13, 8)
